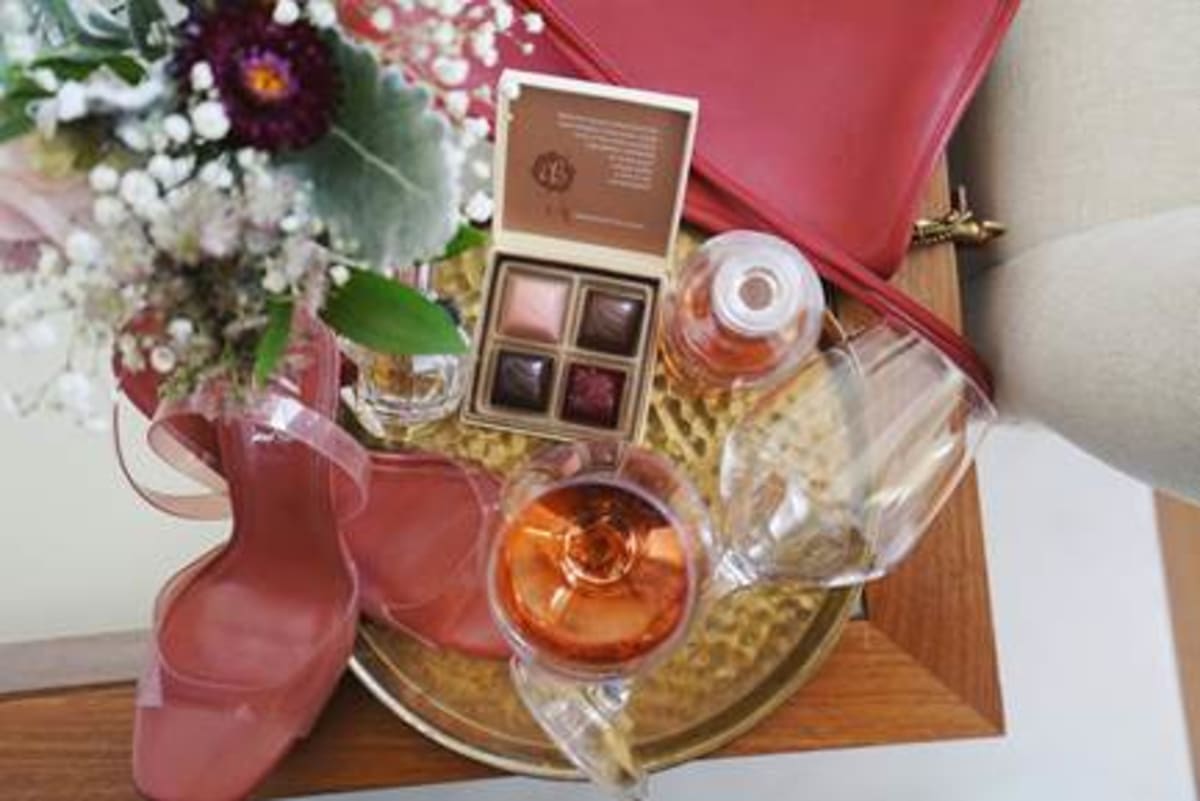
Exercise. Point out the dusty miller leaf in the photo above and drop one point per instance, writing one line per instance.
(380, 175)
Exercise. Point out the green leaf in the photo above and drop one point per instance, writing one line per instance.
(389, 317)
(14, 121)
(274, 341)
(144, 15)
(468, 238)
(380, 176)
(77, 63)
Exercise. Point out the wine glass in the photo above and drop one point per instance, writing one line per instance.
(834, 476)
(594, 578)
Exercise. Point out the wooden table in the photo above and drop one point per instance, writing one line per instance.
(921, 665)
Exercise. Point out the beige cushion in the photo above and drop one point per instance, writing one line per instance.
(1097, 335)
(1090, 114)
(1090, 117)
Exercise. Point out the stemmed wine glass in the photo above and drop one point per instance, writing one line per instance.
(607, 553)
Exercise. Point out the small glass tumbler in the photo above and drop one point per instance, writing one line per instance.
(397, 392)
(594, 578)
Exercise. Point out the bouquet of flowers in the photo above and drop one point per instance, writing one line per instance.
(177, 179)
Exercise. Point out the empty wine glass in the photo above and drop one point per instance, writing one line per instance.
(834, 476)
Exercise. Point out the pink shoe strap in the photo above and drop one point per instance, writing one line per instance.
(270, 410)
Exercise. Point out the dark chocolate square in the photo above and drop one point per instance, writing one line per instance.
(523, 381)
(611, 323)
(593, 396)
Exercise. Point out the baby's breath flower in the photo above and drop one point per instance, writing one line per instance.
(109, 212)
(286, 12)
(383, 19)
(82, 248)
(451, 71)
(177, 128)
(210, 121)
(322, 13)
(202, 78)
(533, 22)
(480, 207)
(457, 103)
(339, 274)
(104, 178)
(71, 102)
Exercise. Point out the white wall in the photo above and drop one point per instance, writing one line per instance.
(1086, 664)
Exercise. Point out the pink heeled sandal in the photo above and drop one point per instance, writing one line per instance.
(421, 546)
(250, 640)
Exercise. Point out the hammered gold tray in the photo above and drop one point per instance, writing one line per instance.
(747, 655)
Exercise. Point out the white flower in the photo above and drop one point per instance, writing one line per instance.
(451, 71)
(480, 207)
(45, 79)
(291, 224)
(109, 212)
(444, 34)
(322, 13)
(384, 19)
(104, 179)
(475, 129)
(216, 175)
(451, 8)
(248, 158)
(210, 120)
(220, 235)
(533, 22)
(133, 136)
(163, 359)
(138, 189)
(82, 248)
(177, 128)
(503, 14)
(339, 274)
(510, 87)
(287, 12)
(162, 169)
(481, 169)
(483, 45)
(71, 102)
(274, 282)
(202, 76)
(73, 390)
(181, 330)
(457, 103)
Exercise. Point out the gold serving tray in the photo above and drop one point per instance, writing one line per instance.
(747, 655)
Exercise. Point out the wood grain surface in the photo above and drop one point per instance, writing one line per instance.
(921, 666)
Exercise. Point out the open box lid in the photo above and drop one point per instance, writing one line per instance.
(590, 170)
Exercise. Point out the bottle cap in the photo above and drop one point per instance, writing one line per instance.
(761, 284)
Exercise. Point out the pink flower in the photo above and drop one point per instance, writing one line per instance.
(35, 208)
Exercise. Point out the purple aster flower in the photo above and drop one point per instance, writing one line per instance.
(278, 83)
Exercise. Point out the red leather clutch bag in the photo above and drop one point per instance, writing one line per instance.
(820, 120)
